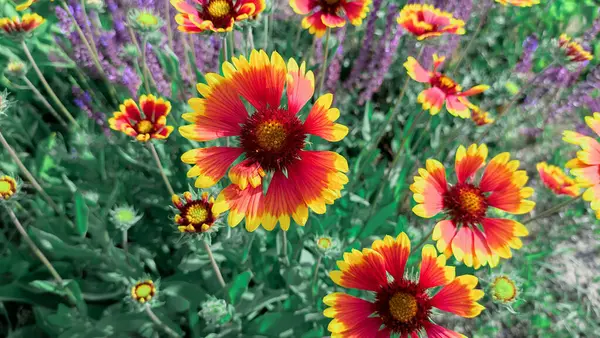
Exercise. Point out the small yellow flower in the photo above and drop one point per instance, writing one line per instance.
(504, 290)
(142, 292)
(8, 187)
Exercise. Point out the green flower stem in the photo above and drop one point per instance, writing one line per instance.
(325, 61)
(160, 168)
(159, 322)
(95, 59)
(89, 29)
(395, 111)
(316, 273)
(45, 102)
(214, 265)
(40, 255)
(554, 209)
(168, 20)
(145, 70)
(124, 244)
(55, 98)
(230, 45)
(482, 20)
(422, 241)
(139, 50)
(29, 176)
(266, 33)
(284, 243)
(249, 40)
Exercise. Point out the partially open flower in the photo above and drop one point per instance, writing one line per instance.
(148, 123)
(573, 50)
(426, 21)
(557, 180)
(144, 20)
(8, 187)
(327, 245)
(215, 15)
(481, 118)
(195, 214)
(504, 290)
(143, 291)
(215, 311)
(17, 28)
(124, 217)
(15, 68)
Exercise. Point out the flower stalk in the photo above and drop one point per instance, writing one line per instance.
(159, 322)
(214, 265)
(45, 102)
(554, 209)
(325, 59)
(160, 168)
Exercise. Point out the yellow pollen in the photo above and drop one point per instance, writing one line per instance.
(324, 243)
(196, 214)
(470, 201)
(144, 126)
(446, 81)
(271, 135)
(219, 8)
(403, 307)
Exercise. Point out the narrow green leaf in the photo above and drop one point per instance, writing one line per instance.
(379, 219)
(81, 214)
(239, 286)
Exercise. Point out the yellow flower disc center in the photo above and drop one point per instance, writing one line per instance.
(219, 8)
(324, 243)
(147, 19)
(271, 135)
(144, 126)
(197, 214)
(125, 215)
(403, 307)
(143, 291)
(471, 202)
(504, 289)
(5, 187)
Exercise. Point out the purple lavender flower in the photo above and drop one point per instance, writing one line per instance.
(335, 68)
(83, 101)
(386, 62)
(530, 45)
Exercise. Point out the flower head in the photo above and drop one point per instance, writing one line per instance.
(8, 187)
(124, 217)
(586, 166)
(443, 89)
(327, 245)
(148, 123)
(573, 50)
(23, 6)
(215, 15)
(481, 118)
(195, 214)
(403, 306)
(18, 28)
(144, 20)
(15, 68)
(426, 21)
(272, 140)
(467, 232)
(519, 3)
(330, 13)
(504, 290)
(143, 291)
(215, 311)
(555, 178)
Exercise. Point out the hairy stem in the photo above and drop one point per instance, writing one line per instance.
(159, 322)
(45, 102)
(325, 59)
(554, 209)
(160, 168)
(214, 265)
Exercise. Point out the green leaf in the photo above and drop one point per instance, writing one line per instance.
(81, 214)
(379, 219)
(366, 124)
(274, 323)
(239, 286)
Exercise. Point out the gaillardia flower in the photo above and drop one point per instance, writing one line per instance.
(148, 123)
(519, 3)
(142, 292)
(586, 166)
(402, 306)
(555, 179)
(15, 68)
(8, 187)
(443, 89)
(467, 232)
(144, 20)
(124, 217)
(504, 290)
(272, 140)
(215, 15)
(195, 214)
(426, 21)
(330, 13)
(479, 117)
(573, 50)
(18, 28)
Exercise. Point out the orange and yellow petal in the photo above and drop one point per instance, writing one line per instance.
(475, 90)
(163, 133)
(356, 10)
(300, 86)
(347, 311)
(302, 7)
(364, 270)
(425, 21)
(499, 173)
(462, 246)
(460, 297)
(468, 161)
(429, 188)
(120, 121)
(519, 3)
(437, 331)
(503, 234)
(416, 71)
(154, 108)
(594, 122)
(395, 252)
(370, 327)
(482, 253)
(246, 172)
(557, 180)
(332, 20)
(432, 99)
(443, 233)
(456, 107)
(320, 120)
(314, 24)
(247, 203)
(23, 6)
(587, 176)
(480, 117)
(282, 201)
(210, 164)
(433, 271)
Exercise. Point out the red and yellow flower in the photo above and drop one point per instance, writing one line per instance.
(443, 89)
(426, 21)
(481, 118)
(467, 232)
(19, 26)
(272, 140)
(574, 51)
(519, 3)
(586, 166)
(557, 180)
(402, 306)
(148, 123)
(215, 15)
(195, 215)
(8, 187)
(330, 13)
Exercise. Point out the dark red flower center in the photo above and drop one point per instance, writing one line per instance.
(197, 214)
(219, 12)
(466, 204)
(403, 306)
(273, 137)
(445, 83)
(330, 6)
